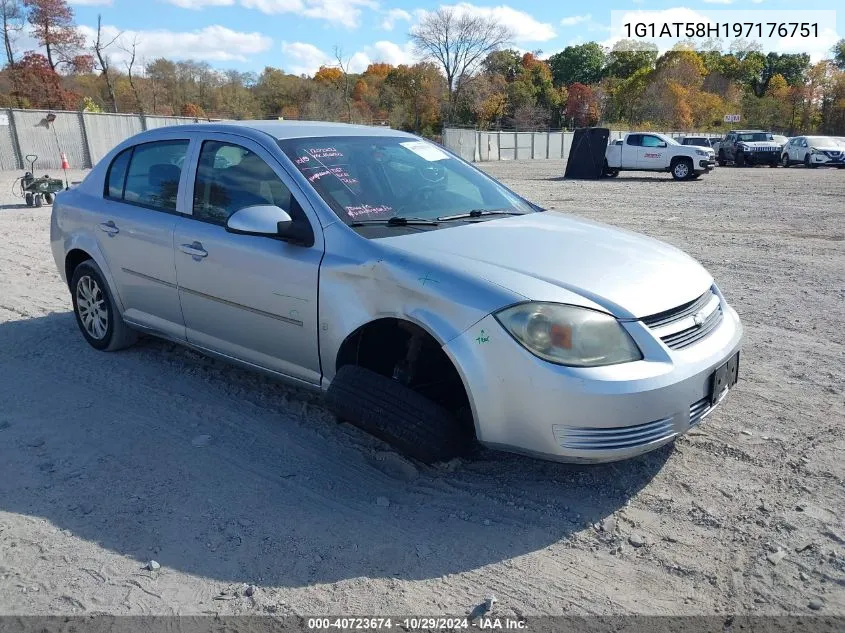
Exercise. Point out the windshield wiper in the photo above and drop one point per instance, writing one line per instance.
(477, 213)
(396, 221)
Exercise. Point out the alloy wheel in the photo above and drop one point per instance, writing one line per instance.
(91, 304)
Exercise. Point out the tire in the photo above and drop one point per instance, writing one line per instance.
(36, 199)
(48, 198)
(682, 169)
(740, 159)
(785, 160)
(87, 285)
(608, 172)
(29, 199)
(721, 159)
(807, 162)
(403, 418)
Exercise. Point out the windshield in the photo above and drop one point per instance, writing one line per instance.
(375, 178)
(824, 141)
(754, 137)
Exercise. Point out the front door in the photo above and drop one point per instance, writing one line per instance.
(253, 298)
(652, 154)
(135, 232)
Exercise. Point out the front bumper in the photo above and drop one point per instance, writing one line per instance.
(707, 164)
(763, 157)
(525, 405)
(824, 159)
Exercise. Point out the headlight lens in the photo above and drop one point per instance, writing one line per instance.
(701, 152)
(569, 335)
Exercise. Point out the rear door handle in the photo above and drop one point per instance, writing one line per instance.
(195, 250)
(109, 227)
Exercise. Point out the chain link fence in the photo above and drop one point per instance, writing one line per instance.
(483, 146)
(84, 137)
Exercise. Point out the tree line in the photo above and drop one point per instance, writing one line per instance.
(469, 75)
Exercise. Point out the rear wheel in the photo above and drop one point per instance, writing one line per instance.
(610, 173)
(740, 159)
(784, 160)
(398, 415)
(36, 199)
(721, 159)
(29, 199)
(95, 310)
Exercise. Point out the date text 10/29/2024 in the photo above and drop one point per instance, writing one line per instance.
(415, 624)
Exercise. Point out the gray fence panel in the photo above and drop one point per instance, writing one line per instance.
(540, 145)
(507, 145)
(556, 145)
(567, 143)
(523, 145)
(488, 147)
(163, 121)
(8, 155)
(63, 135)
(104, 131)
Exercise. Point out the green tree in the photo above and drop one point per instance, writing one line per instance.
(628, 56)
(584, 63)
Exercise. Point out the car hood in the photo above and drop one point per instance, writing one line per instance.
(628, 274)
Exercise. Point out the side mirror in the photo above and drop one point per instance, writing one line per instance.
(268, 220)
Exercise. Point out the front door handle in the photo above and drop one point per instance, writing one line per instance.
(109, 227)
(195, 250)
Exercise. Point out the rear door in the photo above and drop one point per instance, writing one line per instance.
(630, 151)
(140, 201)
(252, 298)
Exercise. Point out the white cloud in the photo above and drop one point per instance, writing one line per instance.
(212, 43)
(344, 12)
(393, 16)
(525, 28)
(305, 59)
(575, 19)
(201, 4)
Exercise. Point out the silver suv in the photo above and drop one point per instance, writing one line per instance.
(432, 305)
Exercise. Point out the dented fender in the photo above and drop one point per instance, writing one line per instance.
(385, 282)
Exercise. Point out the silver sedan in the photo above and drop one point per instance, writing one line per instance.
(434, 307)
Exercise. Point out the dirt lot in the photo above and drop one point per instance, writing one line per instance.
(226, 478)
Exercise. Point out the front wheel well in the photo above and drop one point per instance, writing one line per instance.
(406, 352)
(72, 260)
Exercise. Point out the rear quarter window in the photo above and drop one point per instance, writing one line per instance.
(116, 176)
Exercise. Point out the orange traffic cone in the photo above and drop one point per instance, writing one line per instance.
(65, 164)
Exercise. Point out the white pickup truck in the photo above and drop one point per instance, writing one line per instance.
(641, 151)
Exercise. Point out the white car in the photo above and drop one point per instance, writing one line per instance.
(658, 152)
(812, 151)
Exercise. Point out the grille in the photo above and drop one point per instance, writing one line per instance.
(697, 410)
(677, 327)
(591, 439)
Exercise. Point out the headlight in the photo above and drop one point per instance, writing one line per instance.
(701, 152)
(813, 150)
(569, 335)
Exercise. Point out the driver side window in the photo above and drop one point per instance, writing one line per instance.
(652, 141)
(231, 177)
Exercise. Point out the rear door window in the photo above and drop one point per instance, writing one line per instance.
(152, 179)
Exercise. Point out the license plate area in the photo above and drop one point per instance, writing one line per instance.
(724, 378)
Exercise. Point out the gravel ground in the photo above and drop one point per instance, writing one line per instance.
(228, 479)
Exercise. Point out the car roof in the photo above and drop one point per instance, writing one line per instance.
(292, 129)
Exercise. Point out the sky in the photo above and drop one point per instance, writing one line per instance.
(300, 35)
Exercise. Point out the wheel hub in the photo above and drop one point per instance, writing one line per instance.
(91, 305)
